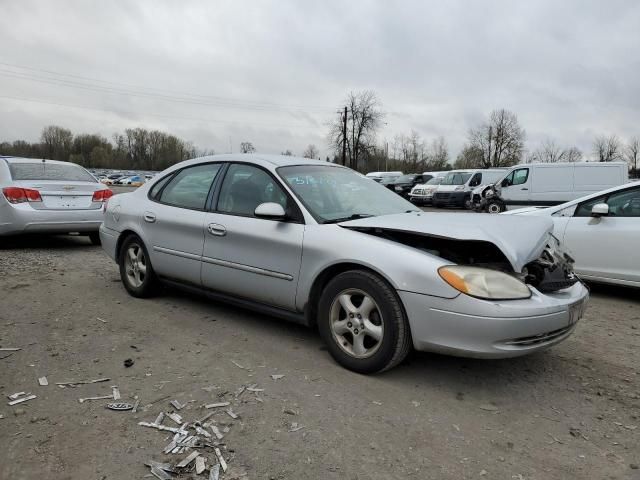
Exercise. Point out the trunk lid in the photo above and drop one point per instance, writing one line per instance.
(62, 195)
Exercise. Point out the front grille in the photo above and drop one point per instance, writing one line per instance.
(540, 338)
(442, 196)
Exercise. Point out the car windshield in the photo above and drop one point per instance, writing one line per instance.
(456, 178)
(435, 181)
(49, 171)
(405, 179)
(334, 194)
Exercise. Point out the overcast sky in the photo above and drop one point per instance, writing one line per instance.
(275, 72)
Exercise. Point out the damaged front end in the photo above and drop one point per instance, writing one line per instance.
(550, 272)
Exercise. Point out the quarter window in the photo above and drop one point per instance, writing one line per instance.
(245, 187)
(190, 187)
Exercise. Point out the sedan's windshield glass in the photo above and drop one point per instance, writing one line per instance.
(405, 179)
(334, 193)
(435, 181)
(456, 178)
(49, 171)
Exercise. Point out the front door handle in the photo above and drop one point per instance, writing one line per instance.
(149, 217)
(524, 188)
(217, 230)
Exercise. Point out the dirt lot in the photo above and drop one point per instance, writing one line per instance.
(570, 412)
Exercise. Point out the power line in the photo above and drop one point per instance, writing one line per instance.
(138, 90)
(173, 117)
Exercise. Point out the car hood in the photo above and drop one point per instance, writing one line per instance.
(520, 238)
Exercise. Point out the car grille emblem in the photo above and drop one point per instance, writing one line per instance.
(68, 187)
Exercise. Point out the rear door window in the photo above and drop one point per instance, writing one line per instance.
(189, 188)
(49, 171)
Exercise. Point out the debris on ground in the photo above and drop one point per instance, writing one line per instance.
(7, 349)
(82, 382)
(128, 362)
(116, 392)
(43, 382)
(20, 397)
(217, 405)
(119, 406)
(102, 397)
(176, 404)
(295, 427)
(488, 407)
(101, 320)
(277, 376)
(238, 365)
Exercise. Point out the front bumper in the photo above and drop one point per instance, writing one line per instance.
(450, 199)
(22, 218)
(469, 327)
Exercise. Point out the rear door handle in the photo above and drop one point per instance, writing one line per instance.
(149, 217)
(524, 188)
(217, 230)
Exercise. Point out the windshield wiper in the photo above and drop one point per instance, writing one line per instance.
(355, 216)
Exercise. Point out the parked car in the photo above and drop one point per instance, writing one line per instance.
(134, 181)
(47, 196)
(422, 194)
(546, 184)
(403, 185)
(455, 190)
(379, 176)
(601, 232)
(321, 245)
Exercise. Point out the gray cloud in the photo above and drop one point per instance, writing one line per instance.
(274, 72)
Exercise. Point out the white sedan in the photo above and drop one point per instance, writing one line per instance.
(601, 231)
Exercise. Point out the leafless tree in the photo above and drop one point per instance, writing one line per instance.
(311, 152)
(469, 157)
(437, 156)
(364, 117)
(287, 153)
(550, 152)
(607, 149)
(57, 142)
(501, 139)
(632, 152)
(247, 147)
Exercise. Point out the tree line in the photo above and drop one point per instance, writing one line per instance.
(135, 148)
(499, 141)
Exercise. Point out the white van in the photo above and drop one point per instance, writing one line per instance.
(455, 189)
(547, 184)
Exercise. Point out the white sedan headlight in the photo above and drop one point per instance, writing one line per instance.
(484, 283)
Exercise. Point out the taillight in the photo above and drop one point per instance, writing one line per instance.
(21, 195)
(102, 195)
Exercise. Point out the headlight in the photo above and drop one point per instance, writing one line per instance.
(484, 283)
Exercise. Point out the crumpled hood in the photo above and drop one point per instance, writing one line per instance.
(520, 238)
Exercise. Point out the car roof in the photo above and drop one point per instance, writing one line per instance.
(33, 160)
(275, 160)
(624, 186)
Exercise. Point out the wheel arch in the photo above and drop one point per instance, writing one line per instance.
(122, 237)
(324, 276)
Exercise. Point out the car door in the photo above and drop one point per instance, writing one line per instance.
(173, 221)
(515, 187)
(254, 258)
(606, 247)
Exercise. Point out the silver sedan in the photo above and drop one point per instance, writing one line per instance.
(324, 246)
(47, 196)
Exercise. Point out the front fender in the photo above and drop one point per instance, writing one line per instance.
(404, 267)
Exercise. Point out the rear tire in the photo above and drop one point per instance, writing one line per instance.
(136, 270)
(361, 319)
(95, 238)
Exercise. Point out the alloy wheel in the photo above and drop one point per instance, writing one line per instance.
(135, 265)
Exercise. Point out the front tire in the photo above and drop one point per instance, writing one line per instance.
(136, 270)
(362, 321)
(495, 206)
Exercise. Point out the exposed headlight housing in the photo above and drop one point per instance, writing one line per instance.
(484, 283)
(490, 193)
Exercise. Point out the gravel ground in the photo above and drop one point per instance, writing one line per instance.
(570, 412)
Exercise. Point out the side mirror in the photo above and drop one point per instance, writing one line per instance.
(270, 210)
(600, 210)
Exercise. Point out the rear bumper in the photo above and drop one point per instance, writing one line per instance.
(109, 241)
(470, 327)
(22, 218)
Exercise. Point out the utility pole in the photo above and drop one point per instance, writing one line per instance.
(344, 138)
(490, 131)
